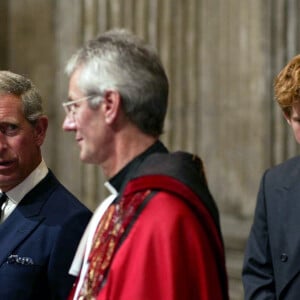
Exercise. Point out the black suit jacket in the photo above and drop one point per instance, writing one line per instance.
(272, 258)
(38, 241)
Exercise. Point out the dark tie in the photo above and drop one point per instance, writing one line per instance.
(3, 198)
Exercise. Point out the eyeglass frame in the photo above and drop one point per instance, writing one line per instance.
(68, 104)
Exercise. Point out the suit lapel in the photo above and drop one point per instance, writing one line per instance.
(289, 235)
(14, 230)
(26, 217)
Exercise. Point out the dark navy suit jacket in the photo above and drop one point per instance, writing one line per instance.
(272, 258)
(38, 242)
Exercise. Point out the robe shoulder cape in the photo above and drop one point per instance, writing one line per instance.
(174, 248)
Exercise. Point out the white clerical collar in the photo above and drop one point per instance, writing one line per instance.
(111, 188)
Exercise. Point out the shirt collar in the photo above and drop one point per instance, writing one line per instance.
(17, 193)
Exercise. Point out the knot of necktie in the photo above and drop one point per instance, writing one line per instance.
(3, 198)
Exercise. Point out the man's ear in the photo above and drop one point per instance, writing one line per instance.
(112, 106)
(287, 116)
(40, 129)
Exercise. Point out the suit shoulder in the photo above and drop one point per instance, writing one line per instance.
(288, 165)
(60, 199)
(70, 201)
(284, 172)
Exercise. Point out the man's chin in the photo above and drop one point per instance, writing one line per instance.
(7, 183)
(84, 158)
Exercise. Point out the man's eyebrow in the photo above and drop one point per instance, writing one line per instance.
(8, 122)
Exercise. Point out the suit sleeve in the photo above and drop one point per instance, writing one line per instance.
(257, 274)
(166, 256)
(60, 282)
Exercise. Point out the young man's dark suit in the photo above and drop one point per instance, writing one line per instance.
(272, 259)
(38, 241)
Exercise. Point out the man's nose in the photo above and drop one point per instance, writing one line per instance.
(69, 123)
(3, 141)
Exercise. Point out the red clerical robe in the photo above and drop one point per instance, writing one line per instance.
(171, 249)
(169, 254)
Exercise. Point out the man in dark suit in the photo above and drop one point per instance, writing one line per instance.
(272, 259)
(41, 222)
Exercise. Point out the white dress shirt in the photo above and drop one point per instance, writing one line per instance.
(16, 194)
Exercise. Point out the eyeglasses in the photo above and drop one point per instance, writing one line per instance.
(69, 106)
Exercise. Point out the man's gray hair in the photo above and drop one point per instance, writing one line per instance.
(12, 83)
(120, 61)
